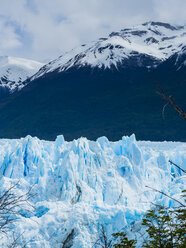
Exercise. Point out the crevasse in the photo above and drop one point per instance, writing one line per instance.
(83, 184)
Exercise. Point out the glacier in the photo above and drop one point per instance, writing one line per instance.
(82, 184)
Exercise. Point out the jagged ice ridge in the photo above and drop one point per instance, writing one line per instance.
(82, 184)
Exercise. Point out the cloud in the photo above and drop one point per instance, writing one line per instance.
(9, 39)
(44, 29)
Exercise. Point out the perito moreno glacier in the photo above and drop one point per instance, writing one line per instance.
(80, 185)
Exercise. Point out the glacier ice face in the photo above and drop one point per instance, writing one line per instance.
(82, 184)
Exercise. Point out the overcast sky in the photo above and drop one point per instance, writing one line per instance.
(44, 29)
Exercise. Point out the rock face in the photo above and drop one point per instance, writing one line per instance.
(13, 73)
(83, 184)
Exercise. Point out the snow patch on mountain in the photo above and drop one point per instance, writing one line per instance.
(14, 71)
(82, 184)
(154, 39)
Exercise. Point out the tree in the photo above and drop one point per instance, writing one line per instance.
(124, 242)
(10, 205)
(158, 222)
(121, 240)
(166, 228)
(103, 241)
(170, 100)
(180, 227)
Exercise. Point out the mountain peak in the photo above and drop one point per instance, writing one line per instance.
(13, 71)
(156, 40)
(163, 24)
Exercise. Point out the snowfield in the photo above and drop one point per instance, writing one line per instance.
(82, 184)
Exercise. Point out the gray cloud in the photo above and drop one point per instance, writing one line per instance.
(44, 29)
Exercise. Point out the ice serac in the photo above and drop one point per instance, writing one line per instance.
(14, 71)
(83, 184)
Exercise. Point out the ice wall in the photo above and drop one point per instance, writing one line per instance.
(82, 184)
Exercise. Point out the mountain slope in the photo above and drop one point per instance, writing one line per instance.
(14, 71)
(77, 98)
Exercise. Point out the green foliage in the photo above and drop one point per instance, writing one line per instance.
(166, 228)
(124, 241)
(159, 228)
(180, 227)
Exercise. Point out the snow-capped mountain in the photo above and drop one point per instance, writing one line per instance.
(105, 88)
(14, 71)
(82, 184)
(155, 40)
